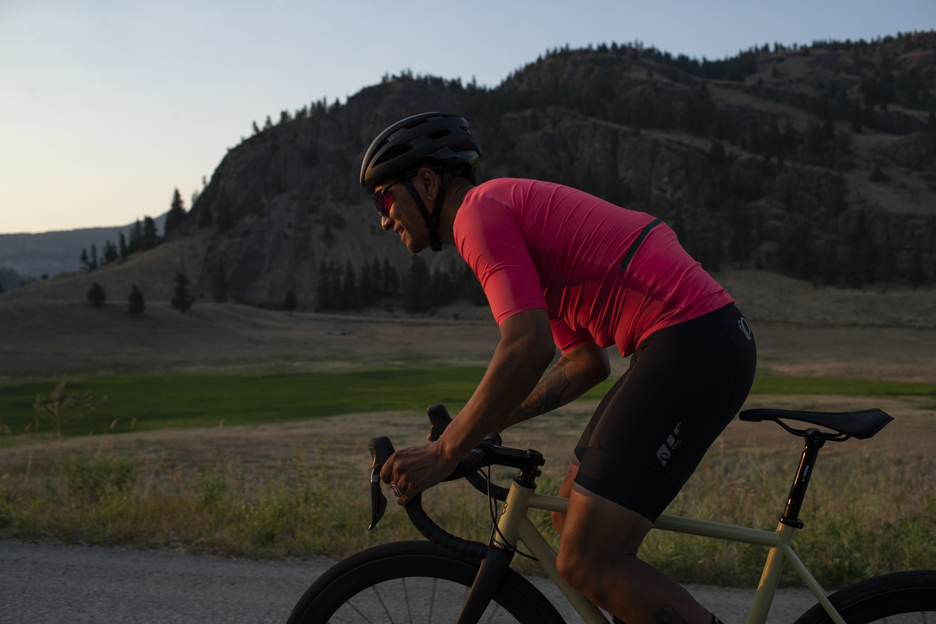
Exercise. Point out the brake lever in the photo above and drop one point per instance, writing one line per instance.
(380, 449)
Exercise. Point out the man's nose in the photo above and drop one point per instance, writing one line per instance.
(386, 223)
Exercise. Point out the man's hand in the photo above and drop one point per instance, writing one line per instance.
(415, 469)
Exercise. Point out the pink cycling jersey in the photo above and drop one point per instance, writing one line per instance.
(541, 245)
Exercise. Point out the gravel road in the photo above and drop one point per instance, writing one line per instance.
(44, 583)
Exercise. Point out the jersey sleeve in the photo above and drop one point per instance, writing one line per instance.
(489, 238)
(563, 335)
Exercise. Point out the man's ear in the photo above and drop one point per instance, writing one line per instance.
(428, 182)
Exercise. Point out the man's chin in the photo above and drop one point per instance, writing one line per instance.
(415, 247)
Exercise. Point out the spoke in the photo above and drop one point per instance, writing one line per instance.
(432, 600)
(406, 595)
(387, 611)
(356, 610)
(493, 612)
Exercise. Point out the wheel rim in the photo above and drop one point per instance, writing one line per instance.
(413, 600)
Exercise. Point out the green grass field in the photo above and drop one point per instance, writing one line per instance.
(145, 402)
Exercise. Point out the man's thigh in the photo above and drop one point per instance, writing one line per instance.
(596, 528)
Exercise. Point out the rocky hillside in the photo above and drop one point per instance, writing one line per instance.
(816, 162)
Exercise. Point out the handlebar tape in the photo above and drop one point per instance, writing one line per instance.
(481, 484)
(439, 536)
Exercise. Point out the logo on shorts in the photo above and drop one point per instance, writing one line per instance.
(663, 454)
(745, 328)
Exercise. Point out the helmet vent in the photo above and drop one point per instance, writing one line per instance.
(393, 152)
(439, 134)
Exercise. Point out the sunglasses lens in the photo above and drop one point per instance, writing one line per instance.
(383, 201)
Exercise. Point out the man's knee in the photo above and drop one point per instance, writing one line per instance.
(574, 568)
(596, 534)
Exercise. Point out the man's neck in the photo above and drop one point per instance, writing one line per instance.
(453, 201)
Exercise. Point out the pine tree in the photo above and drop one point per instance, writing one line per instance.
(473, 289)
(740, 242)
(350, 296)
(839, 204)
(96, 296)
(290, 304)
(110, 252)
(136, 237)
(150, 237)
(855, 115)
(92, 258)
(176, 213)
(716, 154)
(84, 263)
(321, 289)
(122, 247)
(368, 287)
(389, 280)
(888, 261)
(182, 300)
(917, 276)
(135, 304)
(415, 288)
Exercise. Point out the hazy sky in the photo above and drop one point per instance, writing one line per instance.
(106, 107)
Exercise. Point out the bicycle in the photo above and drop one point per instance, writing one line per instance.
(456, 580)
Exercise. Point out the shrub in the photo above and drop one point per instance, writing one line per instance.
(96, 296)
(97, 476)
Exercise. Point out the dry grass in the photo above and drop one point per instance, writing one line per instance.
(871, 508)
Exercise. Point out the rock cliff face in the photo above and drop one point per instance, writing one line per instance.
(776, 168)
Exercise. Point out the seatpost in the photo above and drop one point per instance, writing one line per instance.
(815, 440)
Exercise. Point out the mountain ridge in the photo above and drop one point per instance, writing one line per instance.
(32, 255)
(818, 162)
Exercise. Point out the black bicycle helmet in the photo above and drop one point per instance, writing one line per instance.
(428, 139)
(442, 138)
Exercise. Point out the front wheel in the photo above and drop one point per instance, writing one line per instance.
(414, 582)
(903, 597)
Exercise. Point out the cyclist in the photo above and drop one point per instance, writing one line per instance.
(562, 268)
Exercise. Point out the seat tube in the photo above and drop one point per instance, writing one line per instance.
(770, 577)
(499, 554)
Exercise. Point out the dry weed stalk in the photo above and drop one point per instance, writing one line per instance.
(60, 408)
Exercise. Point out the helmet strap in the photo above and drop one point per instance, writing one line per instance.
(432, 220)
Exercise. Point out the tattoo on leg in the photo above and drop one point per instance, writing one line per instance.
(667, 615)
(545, 397)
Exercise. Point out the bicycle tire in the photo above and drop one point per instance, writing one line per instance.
(902, 597)
(371, 586)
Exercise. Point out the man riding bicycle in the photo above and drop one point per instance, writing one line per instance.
(562, 268)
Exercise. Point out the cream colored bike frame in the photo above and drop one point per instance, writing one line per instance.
(514, 526)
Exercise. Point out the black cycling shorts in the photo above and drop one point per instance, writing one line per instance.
(683, 386)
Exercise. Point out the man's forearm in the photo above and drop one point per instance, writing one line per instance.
(557, 387)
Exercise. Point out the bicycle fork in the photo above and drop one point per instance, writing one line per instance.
(500, 551)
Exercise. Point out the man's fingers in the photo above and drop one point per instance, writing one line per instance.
(386, 473)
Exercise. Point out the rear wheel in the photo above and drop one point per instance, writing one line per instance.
(902, 598)
(412, 582)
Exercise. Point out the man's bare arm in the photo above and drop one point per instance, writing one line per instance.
(577, 371)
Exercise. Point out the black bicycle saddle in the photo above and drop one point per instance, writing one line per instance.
(862, 424)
